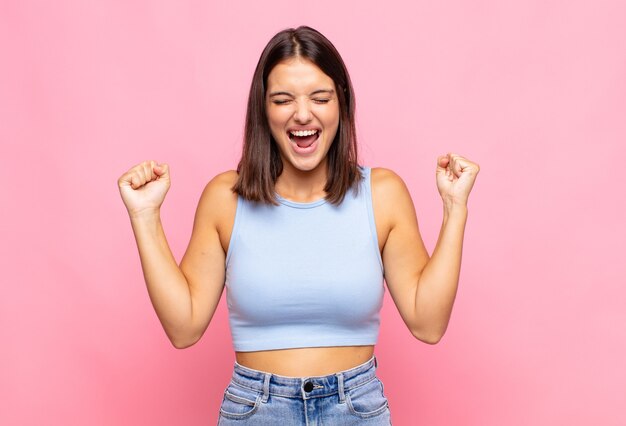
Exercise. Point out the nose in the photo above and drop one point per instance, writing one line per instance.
(302, 113)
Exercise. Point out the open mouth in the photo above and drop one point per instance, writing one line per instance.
(303, 138)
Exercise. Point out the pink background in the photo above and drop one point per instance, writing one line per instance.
(534, 91)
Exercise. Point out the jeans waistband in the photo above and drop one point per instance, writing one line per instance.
(305, 387)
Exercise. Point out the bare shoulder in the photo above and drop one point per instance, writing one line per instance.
(390, 194)
(227, 178)
(218, 201)
(221, 184)
(387, 185)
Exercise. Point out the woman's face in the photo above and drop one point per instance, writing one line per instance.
(302, 111)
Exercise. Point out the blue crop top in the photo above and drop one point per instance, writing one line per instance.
(305, 274)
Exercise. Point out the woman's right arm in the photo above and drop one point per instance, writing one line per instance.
(185, 297)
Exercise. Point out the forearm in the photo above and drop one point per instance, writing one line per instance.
(167, 286)
(438, 282)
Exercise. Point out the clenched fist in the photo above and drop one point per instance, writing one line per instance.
(455, 178)
(144, 186)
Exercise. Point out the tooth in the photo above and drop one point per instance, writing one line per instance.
(303, 132)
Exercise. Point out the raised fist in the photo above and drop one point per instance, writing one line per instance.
(143, 187)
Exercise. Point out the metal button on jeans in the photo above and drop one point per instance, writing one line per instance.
(308, 386)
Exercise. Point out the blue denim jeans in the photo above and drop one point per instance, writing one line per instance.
(350, 397)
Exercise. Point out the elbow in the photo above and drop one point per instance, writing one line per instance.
(183, 342)
(431, 338)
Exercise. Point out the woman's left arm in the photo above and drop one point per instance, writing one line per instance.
(422, 287)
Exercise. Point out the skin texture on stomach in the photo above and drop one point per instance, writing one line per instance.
(301, 362)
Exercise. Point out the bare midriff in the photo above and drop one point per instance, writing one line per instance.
(306, 362)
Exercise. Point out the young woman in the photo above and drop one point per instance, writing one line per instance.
(302, 236)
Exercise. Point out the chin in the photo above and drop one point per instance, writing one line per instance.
(305, 166)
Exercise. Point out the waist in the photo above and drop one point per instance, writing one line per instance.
(308, 361)
(314, 386)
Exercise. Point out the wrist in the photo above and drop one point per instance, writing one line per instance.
(145, 215)
(454, 208)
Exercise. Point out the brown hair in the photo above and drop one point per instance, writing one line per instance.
(260, 163)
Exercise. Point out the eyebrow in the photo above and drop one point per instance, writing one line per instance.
(315, 92)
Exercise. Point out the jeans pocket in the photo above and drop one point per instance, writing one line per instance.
(367, 400)
(239, 402)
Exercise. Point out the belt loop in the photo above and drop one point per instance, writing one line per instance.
(266, 387)
(375, 362)
(342, 395)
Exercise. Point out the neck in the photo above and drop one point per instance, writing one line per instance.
(302, 185)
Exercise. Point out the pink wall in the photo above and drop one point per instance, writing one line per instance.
(534, 91)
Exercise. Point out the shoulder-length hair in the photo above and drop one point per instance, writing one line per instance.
(260, 163)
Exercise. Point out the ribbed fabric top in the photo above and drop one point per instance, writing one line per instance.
(305, 274)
